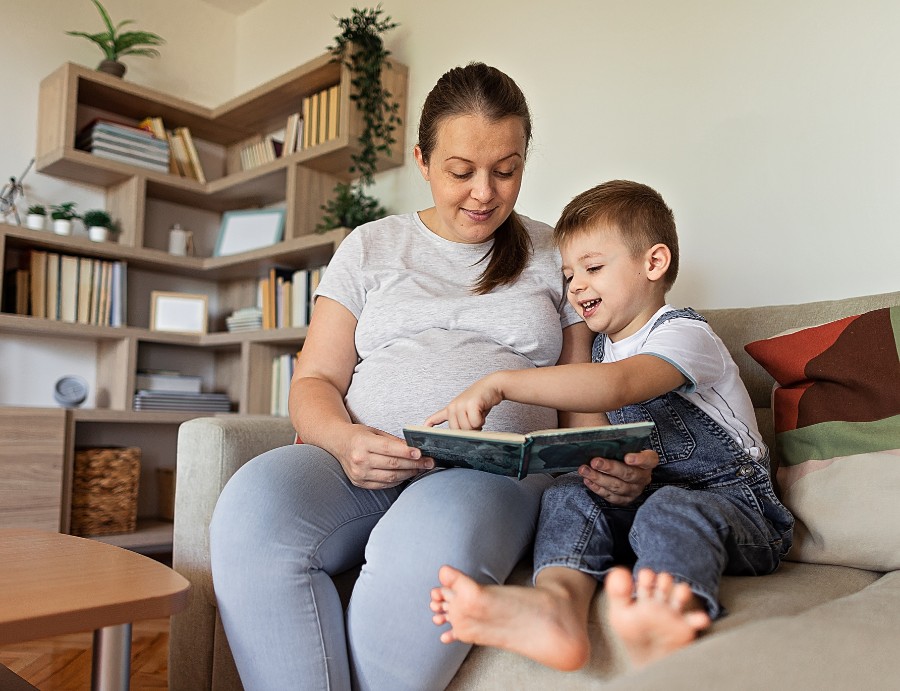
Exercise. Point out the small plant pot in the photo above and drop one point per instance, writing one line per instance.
(36, 221)
(113, 67)
(62, 226)
(98, 233)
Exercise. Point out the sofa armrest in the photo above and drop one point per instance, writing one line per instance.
(210, 450)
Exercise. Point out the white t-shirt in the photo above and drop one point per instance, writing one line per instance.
(714, 383)
(422, 336)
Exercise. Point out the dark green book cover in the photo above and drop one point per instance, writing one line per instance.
(517, 455)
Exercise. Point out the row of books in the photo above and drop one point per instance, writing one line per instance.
(321, 116)
(282, 371)
(66, 288)
(183, 158)
(259, 151)
(286, 296)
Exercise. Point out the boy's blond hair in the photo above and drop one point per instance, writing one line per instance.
(637, 211)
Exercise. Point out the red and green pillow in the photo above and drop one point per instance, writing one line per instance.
(837, 431)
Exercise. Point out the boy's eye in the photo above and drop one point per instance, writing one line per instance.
(594, 269)
(567, 279)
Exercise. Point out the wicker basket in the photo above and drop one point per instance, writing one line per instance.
(104, 491)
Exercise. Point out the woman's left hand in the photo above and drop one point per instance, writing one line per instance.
(620, 482)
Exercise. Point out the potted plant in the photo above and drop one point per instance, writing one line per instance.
(360, 47)
(37, 217)
(99, 224)
(62, 215)
(115, 43)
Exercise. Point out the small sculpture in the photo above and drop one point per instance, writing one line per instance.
(12, 190)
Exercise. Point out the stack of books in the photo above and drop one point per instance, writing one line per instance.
(244, 319)
(182, 400)
(166, 380)
(124, 143)
(167, 390)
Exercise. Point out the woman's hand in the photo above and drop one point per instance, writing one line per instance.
(373, 459)
(620, 482)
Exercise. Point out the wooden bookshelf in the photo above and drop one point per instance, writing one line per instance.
(142, 200)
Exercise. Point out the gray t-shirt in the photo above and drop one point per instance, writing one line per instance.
(422, 336)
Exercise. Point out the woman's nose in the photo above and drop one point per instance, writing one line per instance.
(482, 188)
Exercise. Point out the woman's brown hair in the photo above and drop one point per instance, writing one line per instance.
(478, 89)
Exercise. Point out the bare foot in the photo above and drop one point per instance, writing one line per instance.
(543, 624)
(660, 618)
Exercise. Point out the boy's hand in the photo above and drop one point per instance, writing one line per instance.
(620, 482)
(470, 408)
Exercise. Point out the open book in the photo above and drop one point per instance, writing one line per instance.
(517, 455)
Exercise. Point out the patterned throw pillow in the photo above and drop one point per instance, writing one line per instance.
(837, 435)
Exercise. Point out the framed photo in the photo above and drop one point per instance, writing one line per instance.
(242, 231)
(178, 312)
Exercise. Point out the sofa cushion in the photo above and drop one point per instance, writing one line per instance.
(792, 589)
(837, 432)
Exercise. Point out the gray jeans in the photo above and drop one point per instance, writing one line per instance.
(290, 519)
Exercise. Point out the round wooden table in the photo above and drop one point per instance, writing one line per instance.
(51, 584)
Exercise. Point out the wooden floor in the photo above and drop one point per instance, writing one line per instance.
(63, 663)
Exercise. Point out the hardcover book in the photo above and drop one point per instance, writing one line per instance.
(516, 455)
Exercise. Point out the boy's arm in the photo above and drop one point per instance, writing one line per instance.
(579, 388)
(578, 341)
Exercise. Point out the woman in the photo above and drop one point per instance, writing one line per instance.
(413, 309)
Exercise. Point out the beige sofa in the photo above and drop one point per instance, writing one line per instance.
(808, 626)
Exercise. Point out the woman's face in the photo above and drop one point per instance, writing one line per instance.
(475, 173)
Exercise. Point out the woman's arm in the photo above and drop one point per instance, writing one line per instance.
(371, 458)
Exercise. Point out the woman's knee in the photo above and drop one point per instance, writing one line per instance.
(477, 522)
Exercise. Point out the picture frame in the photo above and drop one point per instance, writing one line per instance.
(178, 312)
(246, 230)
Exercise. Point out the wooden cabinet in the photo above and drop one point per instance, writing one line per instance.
(145, 203)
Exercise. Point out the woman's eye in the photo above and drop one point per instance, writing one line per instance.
(505, 173)
(460, 176)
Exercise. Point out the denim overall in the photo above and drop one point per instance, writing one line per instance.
(709, 510)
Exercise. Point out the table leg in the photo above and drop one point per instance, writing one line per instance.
(111, 666)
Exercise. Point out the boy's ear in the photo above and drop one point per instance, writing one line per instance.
(658, 259)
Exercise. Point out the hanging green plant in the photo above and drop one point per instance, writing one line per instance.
(360, 47)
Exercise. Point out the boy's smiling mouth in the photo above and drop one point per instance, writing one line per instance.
(589, 306)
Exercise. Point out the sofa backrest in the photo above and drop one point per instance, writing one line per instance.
(740, 325)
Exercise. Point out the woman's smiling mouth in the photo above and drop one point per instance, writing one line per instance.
(478, 215)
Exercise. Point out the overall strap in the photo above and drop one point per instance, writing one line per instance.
(685, 313)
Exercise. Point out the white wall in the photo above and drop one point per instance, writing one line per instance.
(770, 127)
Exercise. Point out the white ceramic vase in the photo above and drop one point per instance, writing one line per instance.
(36, 221)
(98, 233)
(62, 226)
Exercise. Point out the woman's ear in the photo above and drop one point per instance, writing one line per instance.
(658, 259)
(420, 161)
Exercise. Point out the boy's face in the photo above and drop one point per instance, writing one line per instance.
(612, 290)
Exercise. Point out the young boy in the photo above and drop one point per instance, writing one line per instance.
(710, 508)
